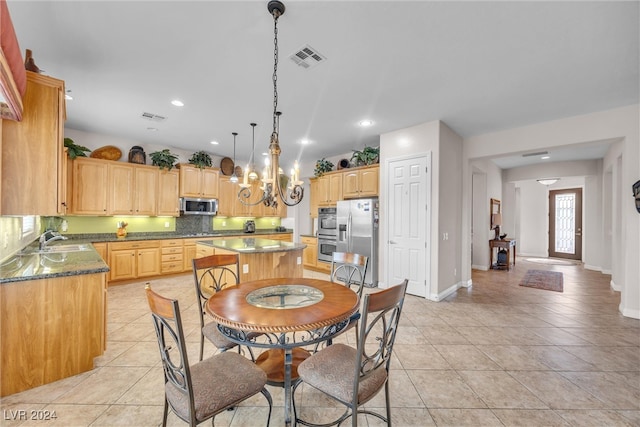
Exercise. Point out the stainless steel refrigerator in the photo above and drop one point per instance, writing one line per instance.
(358, 232)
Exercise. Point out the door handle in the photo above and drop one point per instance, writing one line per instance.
(391, 242)
(578, 234)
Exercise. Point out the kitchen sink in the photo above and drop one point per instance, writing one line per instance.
(67, 248)
(57, 249)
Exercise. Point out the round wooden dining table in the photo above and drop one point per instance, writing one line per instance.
(288, 313)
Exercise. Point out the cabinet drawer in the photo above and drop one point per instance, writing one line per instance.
(138, 244)
(171, 250)
(172, 267)
(171, 257)
(167, 243)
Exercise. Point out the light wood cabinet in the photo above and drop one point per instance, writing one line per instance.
(34, 159)
(89, 186)
(198, 182)
(188, 253)
(310, 253)
(168, 193)
(314, 198)
(132, 189)
(131, 260)
(329, 189)
(228, 196)
(50, 329)
(361, 182)
(172, 254)
(101, 248)
(103, 187)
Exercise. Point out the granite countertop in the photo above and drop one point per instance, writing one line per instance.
(40, 265)
(111, 237)
(253, 245)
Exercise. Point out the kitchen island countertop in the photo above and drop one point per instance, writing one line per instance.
(252, 245)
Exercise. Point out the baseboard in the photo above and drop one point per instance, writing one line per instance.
(442, 295)
(480, 267)
(634, 314)
(592, 267)
(468, 284)
(609, 272)
(614, 286)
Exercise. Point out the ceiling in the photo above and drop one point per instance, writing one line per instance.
(478, 66)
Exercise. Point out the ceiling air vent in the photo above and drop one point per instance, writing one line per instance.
(154, 117)
(307, 57)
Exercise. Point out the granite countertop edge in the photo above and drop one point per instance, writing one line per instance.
(233, 245)
(131, 237)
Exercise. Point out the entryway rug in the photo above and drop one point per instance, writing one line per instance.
(543, 279)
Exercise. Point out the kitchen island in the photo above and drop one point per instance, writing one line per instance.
(259, 258)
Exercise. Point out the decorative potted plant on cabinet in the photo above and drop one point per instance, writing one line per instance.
(74, 150)
(163, 159)
(200, 159)
(322, 166)
(368, 156)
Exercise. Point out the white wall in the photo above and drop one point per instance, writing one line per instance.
(621, 124)
(414, 141)
(493, 190)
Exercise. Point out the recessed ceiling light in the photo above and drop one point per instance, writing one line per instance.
(265, 154)
(305, 142)
(215, 142)
(68, 97)
(365, 123)
(177, 103)
(545, 157)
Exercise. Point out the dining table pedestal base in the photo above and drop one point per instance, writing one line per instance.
(272, 362)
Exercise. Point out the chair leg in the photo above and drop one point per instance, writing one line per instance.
(267, 395)
(201, 345)
(165, 412)
(387, 402)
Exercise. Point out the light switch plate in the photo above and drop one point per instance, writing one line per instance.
(245, 268)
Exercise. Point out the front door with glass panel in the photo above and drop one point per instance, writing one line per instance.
(565, 223)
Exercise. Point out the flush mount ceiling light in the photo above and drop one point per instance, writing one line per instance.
(273, 180)
(365, 123)
(547, 181)
(177, 103)
(214, 142)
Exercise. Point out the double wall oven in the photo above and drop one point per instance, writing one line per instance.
(327, 233)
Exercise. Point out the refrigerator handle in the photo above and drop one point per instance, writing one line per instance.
(349, 242)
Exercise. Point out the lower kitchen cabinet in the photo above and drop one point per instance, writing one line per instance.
(132, 260)
(50, 329)
(310, 253)
(188, 253)
(172, 253)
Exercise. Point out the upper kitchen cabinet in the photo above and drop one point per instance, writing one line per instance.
(89, 186)
(33, 155)
(168, 188)
(198, 182)
(329, 189)
(361, 182)
(134, 189)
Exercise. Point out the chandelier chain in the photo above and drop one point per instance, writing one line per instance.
(276, 15)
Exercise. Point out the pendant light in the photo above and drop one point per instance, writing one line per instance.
(253, 175)
(272, 188)
(234, 177)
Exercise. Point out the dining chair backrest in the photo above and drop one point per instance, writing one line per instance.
(215, 272)
(350, 269)
(167, 323)
(378, 327)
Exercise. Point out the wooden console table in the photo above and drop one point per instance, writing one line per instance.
(502, 244)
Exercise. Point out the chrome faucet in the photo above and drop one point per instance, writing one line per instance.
(44, 241)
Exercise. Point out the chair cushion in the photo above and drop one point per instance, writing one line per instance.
(213, 334)
(220, 381)
(332, 371)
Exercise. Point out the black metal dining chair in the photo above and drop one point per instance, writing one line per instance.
(353, 376)
(196, 393)
(349, 269)
(211, 274)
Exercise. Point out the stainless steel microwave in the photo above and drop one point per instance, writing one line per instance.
(195, 206)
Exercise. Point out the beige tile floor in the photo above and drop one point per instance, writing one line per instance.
(494, 354)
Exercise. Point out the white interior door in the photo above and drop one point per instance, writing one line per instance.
(407, 237)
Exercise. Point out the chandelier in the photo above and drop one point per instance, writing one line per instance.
(275, 184)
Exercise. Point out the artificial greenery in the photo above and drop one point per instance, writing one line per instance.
(368, 156)
(322, 166)
(200, 159)
(163, 159)
(74, 150)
